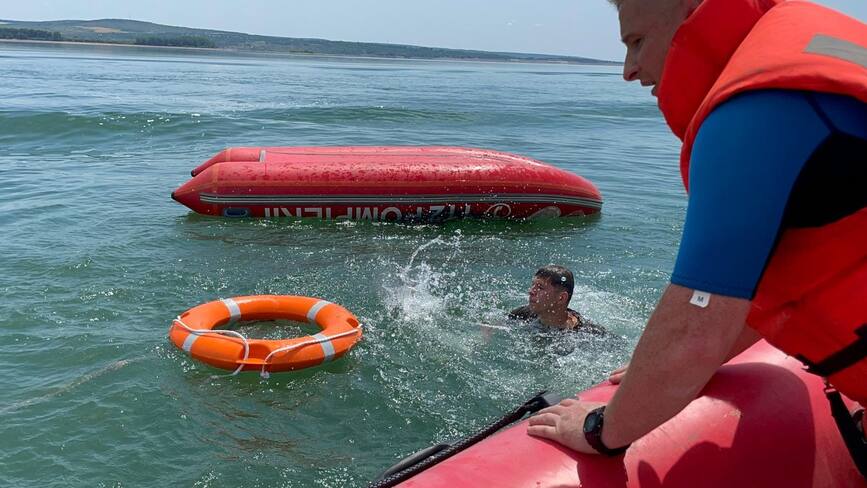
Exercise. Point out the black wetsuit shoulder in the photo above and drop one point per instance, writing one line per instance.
(524, 314)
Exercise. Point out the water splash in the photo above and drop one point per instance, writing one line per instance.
(421, 292)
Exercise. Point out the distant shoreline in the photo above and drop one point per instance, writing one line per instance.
(304, 54)
(92, 43)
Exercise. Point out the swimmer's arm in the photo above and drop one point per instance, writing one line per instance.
(488, 330)
(680, 349)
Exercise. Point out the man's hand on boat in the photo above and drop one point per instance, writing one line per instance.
(616, 376)
(564, 423)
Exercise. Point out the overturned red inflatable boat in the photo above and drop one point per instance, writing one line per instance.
(384, 184)
(761, 421)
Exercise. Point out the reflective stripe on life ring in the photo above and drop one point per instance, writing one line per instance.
(327, 347)
(234, 310)
(188, 342)
(311, 314)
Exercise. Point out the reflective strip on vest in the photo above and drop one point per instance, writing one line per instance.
(234, 310)
(311, 314)
(837, 48)
(327, 346)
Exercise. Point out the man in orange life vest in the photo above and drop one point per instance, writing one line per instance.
(770, 100)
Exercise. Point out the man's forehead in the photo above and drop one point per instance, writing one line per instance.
(636, 14)
(630, 14)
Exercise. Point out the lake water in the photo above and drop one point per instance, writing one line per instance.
(97, 260)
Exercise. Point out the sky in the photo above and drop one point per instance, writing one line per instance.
(585, 28)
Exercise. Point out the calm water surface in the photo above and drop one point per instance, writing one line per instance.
(97, 260)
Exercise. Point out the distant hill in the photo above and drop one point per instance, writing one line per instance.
(121, 31)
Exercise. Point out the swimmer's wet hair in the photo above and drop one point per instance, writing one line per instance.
(558, 276)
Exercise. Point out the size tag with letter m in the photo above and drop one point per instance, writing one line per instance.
(700, 299)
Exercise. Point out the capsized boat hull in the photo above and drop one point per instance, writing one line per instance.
(384, 184)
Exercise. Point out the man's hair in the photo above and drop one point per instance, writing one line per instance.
(618, 4)
(558, 276)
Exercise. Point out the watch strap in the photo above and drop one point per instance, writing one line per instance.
(593, 424)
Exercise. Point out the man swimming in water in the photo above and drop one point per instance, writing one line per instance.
(548, 302)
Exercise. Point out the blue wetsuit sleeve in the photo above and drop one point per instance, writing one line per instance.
(745, 161)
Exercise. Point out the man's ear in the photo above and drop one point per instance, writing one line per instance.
(564, 297)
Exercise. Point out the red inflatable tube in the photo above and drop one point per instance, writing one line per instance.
(384, 184)
(762, 421)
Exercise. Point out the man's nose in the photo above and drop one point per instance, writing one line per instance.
(630, 67)
(630, 71)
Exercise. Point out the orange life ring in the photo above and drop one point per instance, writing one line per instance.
(194, 333)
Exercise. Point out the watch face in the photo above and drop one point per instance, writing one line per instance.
(592, 422)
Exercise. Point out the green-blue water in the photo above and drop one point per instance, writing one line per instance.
(97, 260)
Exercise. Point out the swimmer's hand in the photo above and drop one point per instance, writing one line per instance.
(488, 330)
(490, 326)
(616, 376)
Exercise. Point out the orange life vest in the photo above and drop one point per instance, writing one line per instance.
(812, 299)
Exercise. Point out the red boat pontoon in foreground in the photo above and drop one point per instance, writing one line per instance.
(762, 421)
(384, 184)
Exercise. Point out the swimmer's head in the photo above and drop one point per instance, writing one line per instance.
(551, 288)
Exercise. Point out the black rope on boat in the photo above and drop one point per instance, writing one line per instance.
(430, 456)
(848, 427)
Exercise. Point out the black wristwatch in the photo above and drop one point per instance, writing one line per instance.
(593, 433)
